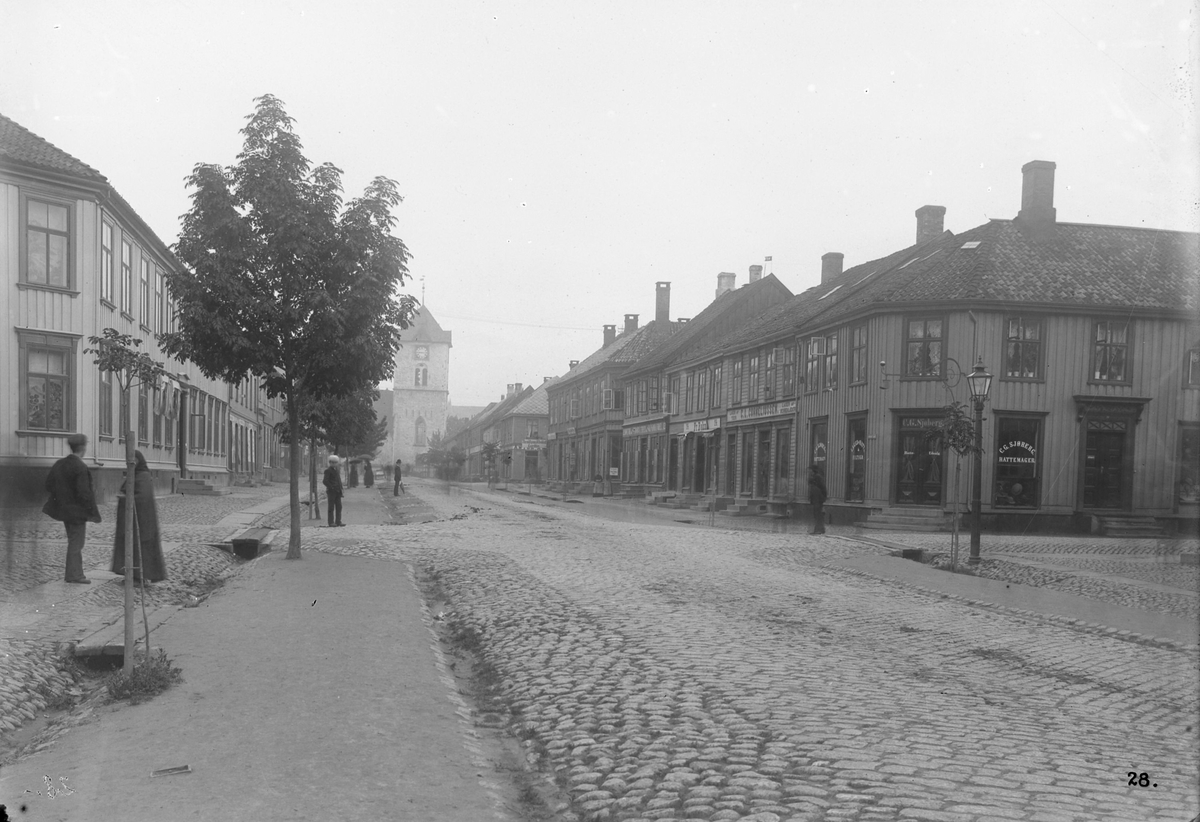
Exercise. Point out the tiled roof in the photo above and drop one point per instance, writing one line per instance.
(424, 327)
(627, 348)
(538, 402)
(20, 145)
(699, 325)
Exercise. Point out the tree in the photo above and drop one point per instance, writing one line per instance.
(955, 430)
(117, 353)
(490, 453)
(443, 458)
(287, 282)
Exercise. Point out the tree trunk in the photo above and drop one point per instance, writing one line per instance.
(294, 476)
(130, 465)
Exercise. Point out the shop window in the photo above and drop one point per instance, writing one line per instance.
(1189, 465)
(1017, 462)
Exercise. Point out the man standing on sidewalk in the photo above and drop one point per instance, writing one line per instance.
(396, 470)
(333, 491)
(817, 495)
(73, 503)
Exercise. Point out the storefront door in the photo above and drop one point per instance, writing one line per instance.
(856, 459)
(698, 470)
(731, 465)
(673, 464)
(919, 477)
(763, 488)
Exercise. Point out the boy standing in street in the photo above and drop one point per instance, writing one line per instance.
(73, 503)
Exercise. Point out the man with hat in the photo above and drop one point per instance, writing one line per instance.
(817, 494)
(333, 492)
(73, 503)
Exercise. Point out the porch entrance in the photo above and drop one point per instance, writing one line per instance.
(919, 464)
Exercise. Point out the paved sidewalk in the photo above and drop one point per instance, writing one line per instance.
(313, 689)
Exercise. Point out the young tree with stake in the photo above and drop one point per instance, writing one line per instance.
(287, 281)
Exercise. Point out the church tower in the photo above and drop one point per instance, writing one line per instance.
(420, 389)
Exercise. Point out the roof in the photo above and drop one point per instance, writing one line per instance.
(537, 403)
(627, 348)
(700, 325)
(20, 145)
(424, 327)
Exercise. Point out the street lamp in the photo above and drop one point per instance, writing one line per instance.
(980, 383)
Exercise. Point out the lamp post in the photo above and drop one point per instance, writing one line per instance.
(980, 382)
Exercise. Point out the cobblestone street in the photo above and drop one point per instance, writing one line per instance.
(667, 673)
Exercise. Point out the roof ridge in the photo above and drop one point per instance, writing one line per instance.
(12, 149)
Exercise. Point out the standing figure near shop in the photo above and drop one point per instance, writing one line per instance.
(397, 476)
(332, 481)
(148, 561)
(368, 475)
(817, 494)
(353, 481)
(73, 503)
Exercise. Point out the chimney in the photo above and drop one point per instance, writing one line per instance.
(573, 364)
(662, 302)
(831, 266)
(726, 282)
(1037, 193)
(518, 387)
(929, 222)
(755, 273)
(610, 334)
(509, 392)
(631, 322)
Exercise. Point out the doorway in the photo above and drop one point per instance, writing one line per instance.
(763, 489)
(919, 461)
(699, 471)
(1104, 470)
(673, 464)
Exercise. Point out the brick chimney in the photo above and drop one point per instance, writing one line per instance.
(930, 222)
(631, 322)
(662, 302)
(726, 281)
(755, 273)
(610, 334)
(1037, 193)
(509, 392)
(831, 266)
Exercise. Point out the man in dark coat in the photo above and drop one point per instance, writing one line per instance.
(368, 475)
(397, 477)
(148, 563)
(73, 503)
(817, 494)
(333, 491)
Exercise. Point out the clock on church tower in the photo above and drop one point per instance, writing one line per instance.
(422, 352)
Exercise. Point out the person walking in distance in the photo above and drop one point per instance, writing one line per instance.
(368, 475)
(399, 485)
(148, 560)
(817, 494)
(73, 503)
(333, 491)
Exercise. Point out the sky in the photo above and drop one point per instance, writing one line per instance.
(559, 158)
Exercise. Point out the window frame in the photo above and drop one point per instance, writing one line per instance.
(1191, 367)
(104, 416)
(754, 378)
(59, 343)
(1009, 340)
(1095, 346)
(858, 354)
(67, 234)
(718, 401)
(942, 339)
(736, 382)
(812, 365)
(145, 292)
(830, 362)
(106, 263)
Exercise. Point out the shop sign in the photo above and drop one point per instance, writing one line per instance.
(646, 429)
(553, 435)
(533, 445)
(710, 424)
(1011, 452)
(771, 409)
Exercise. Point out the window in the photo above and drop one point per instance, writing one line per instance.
(754, 379)
(654, 396)
(106, 265)
(47, 243)
(783, 450)
(1191, 369)
(689, 387)
(147, 315)
(641, 397)
(532, 432)
(769, 377)
(831, 361)
(143, 415)
(858, 354)
(923, 348)
(421, 376)
(123, 415)
(737, 382)
(1111, 352)
(157, 399)
(789, 370)
(105, 420)
(812, 365)
(1017, 465)
(419, 432)
(47, 388)
(160, 299)
(1023, 349)
(718, 399)
(702, 389)
(126, 277)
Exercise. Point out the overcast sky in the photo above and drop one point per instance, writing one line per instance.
(559, 158)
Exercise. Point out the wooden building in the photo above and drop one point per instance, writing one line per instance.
(75, 258)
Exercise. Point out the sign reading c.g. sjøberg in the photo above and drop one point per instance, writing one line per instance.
(772, 409)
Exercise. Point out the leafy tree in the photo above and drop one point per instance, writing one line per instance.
(288, 282)
(443, 458)
(955, 430)
(117, 353)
